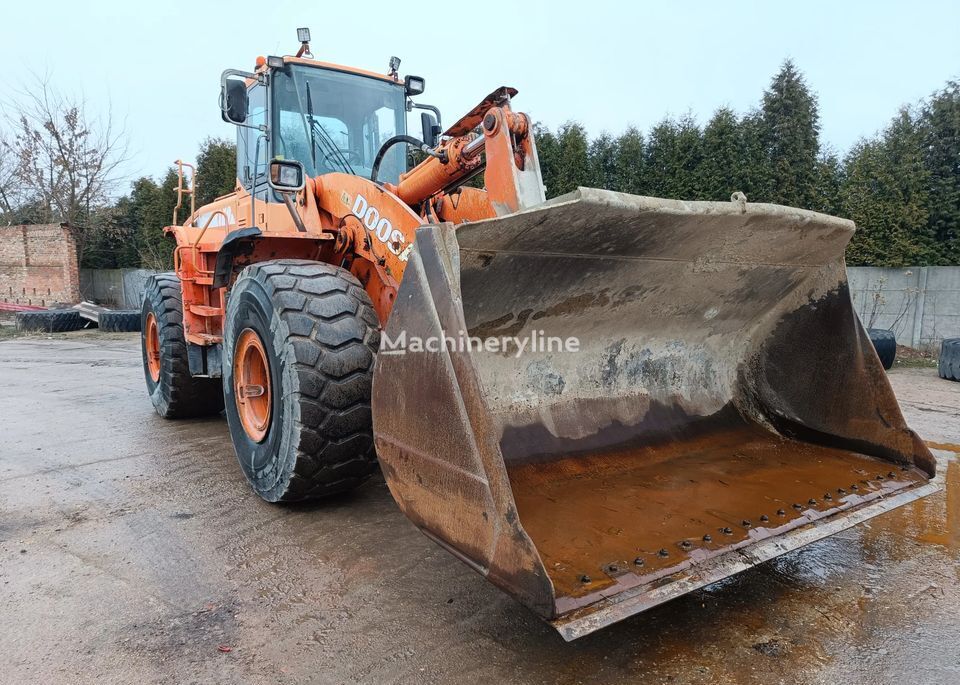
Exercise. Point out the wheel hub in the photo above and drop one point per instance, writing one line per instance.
(251, 385)
(152, 337)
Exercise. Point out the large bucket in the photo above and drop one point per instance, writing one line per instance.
(695, 396)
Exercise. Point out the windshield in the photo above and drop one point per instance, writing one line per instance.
(333, 121)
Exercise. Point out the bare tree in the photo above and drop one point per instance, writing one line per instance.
(11, 195)
(65, 162)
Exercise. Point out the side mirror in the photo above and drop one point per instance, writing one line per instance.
(233, 101)
(431, 131)
(285, 176)
(414, 85)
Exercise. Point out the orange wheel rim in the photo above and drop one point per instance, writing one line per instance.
(153, 347)
(251, 384)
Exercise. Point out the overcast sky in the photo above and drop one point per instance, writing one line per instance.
(604, 64)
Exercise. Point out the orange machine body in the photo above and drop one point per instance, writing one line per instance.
(351, 221)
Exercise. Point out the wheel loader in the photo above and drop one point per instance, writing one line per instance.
(599, 402)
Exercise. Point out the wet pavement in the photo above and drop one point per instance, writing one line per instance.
(132, 550)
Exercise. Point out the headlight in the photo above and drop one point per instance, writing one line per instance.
(414, 85)
(286, 175)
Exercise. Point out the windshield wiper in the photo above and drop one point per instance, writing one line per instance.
(332, 149)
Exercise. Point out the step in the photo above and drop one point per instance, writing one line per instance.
(204, 310)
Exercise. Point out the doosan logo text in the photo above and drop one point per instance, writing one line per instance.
(380, 226)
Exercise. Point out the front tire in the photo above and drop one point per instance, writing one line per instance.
(300, 341)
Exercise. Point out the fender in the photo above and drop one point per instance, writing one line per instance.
(239, 241)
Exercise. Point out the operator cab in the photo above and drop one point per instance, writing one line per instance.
(328, 117)
(335, 121)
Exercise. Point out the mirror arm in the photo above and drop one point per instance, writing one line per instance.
(432, 108)
(297, 219)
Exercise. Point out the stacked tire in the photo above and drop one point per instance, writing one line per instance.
(885, 343)
(120, 321)
(50, 321)
(949, 365)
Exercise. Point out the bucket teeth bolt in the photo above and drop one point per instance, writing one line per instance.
(797, 506)
(827, 496)
(841, 491)
(707, 538)
(584, 578)
(685, 544)
(781, 512)
(663, 553)
(638, 562)
(854, 487)
(764, 518)
(726, 531)
(745, 523)
(811, 501)
(891, 475)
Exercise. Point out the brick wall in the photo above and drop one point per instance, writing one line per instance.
(38, 265)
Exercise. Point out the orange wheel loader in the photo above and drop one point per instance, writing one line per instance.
(599, 402)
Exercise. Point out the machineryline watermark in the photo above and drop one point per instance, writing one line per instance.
(535, 342)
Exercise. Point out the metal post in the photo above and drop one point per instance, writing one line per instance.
(918, 307)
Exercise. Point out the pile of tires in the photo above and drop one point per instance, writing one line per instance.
(949, 364)
(50, 321)
(885, 343)
(120, 321)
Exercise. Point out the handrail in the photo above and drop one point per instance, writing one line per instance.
(181, 189)
(206, 225)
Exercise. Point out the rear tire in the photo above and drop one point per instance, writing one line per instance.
(174, 392)
(885, 343)
(119, 321)
(50, 321)
(297, 395)
(948, 365)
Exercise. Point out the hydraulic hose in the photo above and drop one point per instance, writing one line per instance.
(409, 140)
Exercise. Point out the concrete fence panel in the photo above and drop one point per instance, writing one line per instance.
(920, 304)
(120, 288)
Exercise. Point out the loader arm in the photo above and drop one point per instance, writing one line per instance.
(377, 223)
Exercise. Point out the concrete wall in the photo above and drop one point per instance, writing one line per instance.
(920, 304)
(38, 265)
(120, 288)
